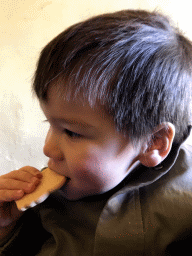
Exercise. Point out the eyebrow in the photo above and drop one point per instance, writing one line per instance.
(71, 122)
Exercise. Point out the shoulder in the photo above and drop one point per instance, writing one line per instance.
(169, 200)
(179, 178)
(166, 206)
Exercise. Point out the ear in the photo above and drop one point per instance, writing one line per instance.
(160, 145)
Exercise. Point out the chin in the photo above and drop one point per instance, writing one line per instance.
(71, 195)
(76, 195)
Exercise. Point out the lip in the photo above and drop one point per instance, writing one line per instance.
(50, 166)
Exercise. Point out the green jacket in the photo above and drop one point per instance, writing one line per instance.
(149, 213)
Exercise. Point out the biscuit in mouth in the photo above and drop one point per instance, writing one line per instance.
(50, 182)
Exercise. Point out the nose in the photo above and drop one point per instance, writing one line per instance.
(52, 147)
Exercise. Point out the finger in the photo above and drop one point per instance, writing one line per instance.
(11, 184)
(20, 175)
(34, 171)
(10, 195)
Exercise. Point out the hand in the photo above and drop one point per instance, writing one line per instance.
(13, 186)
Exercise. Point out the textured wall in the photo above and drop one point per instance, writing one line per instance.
(25, 27)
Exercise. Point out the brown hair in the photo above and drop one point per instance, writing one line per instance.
(134, 63)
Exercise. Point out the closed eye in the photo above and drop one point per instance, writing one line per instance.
(69, 133)
(73, 135)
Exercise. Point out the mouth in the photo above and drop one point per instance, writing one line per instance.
(67, 179)
(54, 169)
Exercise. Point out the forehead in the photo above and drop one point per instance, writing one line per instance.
(76, 111)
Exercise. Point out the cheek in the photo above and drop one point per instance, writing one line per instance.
(93, 172)
(86, 165)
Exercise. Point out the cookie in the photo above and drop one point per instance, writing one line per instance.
(50, 182)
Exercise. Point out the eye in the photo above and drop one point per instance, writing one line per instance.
(71, 134)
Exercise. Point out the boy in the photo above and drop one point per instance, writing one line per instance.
(116, 92)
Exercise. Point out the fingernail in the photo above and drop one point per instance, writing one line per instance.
(39, 175)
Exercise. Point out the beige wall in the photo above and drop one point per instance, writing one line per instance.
(25, 27)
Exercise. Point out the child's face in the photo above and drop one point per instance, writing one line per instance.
(83, 145)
